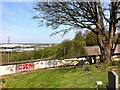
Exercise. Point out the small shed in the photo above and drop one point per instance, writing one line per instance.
(94, 53)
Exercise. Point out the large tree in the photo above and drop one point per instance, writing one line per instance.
(95, 16)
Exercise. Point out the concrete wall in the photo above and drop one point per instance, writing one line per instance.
(33, 65)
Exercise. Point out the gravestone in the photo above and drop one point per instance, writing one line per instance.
(113, 81)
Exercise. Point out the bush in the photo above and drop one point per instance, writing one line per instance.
(116, 64)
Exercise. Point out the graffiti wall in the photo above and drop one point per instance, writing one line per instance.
(36, 65)
(8, 69)
(53, 63)
(39, 64)
(16, 68)
(50, 63)
(70, 61)
(47, 64)
(43, 64)
(24, 67)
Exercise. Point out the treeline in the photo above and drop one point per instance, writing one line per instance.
(66, 49)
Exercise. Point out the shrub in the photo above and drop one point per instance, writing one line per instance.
(116, 64)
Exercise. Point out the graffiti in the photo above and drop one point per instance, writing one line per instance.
(51, 63)
(23, 67)
(36, 65)
(10, 68)
(7, 69)
(73, 61)
(42, 64)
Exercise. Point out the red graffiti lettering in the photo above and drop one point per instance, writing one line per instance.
(27, 66)
(23, 67)
(30, 65)
(20, 67)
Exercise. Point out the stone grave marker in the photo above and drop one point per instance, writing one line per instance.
(113, 81)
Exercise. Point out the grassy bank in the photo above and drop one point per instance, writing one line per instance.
(84, 77)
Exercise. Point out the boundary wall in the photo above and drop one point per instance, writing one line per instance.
(24, 66)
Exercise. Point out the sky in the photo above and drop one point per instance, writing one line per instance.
(18, 25)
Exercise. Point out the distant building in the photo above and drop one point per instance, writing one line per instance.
(17, 47)
(95, 50)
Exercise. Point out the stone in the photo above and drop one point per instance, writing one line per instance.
(113, 81)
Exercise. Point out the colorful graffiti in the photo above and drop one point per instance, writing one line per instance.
(46, 64)
(24, 67)
(10, 69)
(73, 61)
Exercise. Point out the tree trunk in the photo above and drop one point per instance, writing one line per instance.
(107, 54)
(105, 49)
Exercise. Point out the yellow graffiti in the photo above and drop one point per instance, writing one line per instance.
(73, 61)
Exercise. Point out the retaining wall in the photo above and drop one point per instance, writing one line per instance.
(12, 68)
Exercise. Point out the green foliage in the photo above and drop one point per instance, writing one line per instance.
(72, 48)
(79, 36)
(46, 53)
(76, 48)
(78, 44)
(83, 52)
(91, 39)
(59, 52)
(116, 63)
(37, 54)
(25, 55)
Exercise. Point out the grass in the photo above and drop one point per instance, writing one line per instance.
(62, 78)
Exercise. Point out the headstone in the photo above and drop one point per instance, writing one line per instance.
(113, 81)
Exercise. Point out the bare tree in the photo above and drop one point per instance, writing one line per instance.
(93, 16)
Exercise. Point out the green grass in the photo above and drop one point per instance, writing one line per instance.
(62, 78)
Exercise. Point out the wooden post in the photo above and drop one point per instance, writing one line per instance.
(113, 81)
